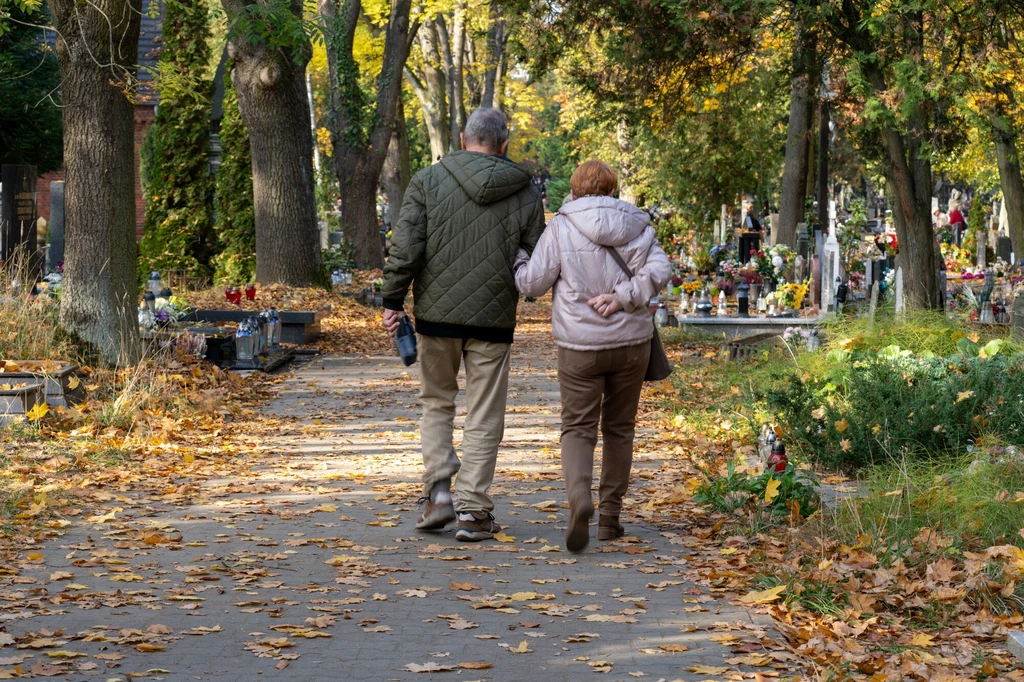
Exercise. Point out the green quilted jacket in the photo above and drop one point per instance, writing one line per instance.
(462, 221)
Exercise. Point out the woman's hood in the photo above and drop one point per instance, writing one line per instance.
(606, 221)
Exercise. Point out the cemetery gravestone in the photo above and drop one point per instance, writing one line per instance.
(17, 209)
(55, 254)
(1004, 247)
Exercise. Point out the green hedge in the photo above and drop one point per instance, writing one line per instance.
(179, 197)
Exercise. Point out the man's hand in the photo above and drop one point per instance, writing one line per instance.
(605, 304)
(391, 320)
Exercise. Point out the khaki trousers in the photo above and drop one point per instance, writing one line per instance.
(600, 386)
(486, 393)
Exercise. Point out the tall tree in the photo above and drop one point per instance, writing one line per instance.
(179, 199)
(803, 79)
(893, 83)
(448, 69)
(397, 171)
(30, 120)
(97, 49)
(269, 45)
(430, 85)
(361, 131)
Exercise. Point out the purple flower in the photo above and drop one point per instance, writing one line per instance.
(162, 316)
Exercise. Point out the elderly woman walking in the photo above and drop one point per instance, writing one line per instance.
(602, 259)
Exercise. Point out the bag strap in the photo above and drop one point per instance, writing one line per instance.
(618, 259)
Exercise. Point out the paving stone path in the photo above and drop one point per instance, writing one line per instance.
(310, 568)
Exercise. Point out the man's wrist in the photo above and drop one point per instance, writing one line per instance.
(395, 304)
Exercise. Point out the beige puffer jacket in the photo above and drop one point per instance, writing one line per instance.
(571, 258)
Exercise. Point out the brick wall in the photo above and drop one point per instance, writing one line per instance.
(144, 114)
(43, 192)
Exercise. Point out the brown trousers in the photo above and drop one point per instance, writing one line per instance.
(600, 386)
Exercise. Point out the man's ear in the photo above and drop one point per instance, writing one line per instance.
(504, 148)
(462, 140)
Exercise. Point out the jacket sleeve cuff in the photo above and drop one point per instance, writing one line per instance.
(396, 304)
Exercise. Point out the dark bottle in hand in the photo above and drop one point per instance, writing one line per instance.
(405, 340)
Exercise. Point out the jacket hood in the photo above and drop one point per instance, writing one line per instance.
(485, 177)
(606, 221)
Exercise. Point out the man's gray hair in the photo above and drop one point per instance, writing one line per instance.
(487, 128)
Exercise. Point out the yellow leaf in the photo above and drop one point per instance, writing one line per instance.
(149, 648)
(706, 670)
(764, 596)
(38, 412)
(501, 537)
(771, 491)
(963, 395)
(65, 654)
(521, 649)
(842, 425)
(844, 445)
(73, 383)
(922, 639)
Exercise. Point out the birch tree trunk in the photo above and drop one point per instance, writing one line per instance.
(97, 51)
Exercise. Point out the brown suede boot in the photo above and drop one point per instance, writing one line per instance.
(577, 535)
(609, 528)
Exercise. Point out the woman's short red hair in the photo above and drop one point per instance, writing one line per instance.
(594, 178)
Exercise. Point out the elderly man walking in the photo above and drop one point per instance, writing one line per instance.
(462, 222)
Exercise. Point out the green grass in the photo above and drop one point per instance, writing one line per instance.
(974, 505)
(922, 332)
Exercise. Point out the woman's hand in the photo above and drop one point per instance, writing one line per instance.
(605, 304)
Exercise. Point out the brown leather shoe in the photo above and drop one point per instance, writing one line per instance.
(577, 535)
(476, 526)
(438, 510)
(609, 528)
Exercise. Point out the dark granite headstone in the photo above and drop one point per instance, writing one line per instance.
(17, 209)
(55, 255)
(1004, 247)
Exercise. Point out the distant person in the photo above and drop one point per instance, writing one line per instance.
(603, 329)
(957, 222)
(462, 223)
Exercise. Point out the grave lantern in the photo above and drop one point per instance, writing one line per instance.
(778, 460)
(842, 290)
(149, 298)
(155, 283)
(684, 304)
(245, 344)
(743, 299)
(703, 307)
(661, 316)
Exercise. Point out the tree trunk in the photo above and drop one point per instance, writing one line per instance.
(453, 52)
(798, 137)
(431, 91)
(271, 89)
(395, 177)
(495, 49)
(359, 153)
(97, 51)
(624, 139)
(360, 209)
(1009, 176)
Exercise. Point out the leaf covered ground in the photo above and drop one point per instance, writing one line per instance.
(186, 522)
